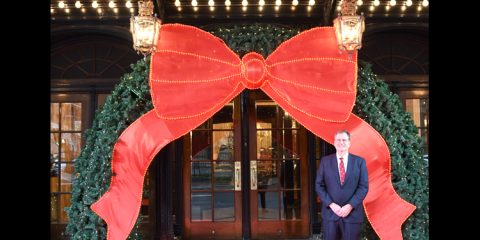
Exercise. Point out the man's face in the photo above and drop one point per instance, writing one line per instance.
(341, 142)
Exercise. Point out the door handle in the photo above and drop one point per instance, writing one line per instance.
(253, 175)
(238, 176)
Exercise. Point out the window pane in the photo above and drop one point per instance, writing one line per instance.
(287, 120)
(71, 116)
(66, 177)
(224, 204)
(290, 144)
(53, 208)
(64, 202)
(54, 181)
(223, 145)
(266, 112)
(223, 119)
(267, 175)
(71, 146)
(290, 205)
(54, 161)
(101, 99)
(290, 174)
(201, 145)
(418, 108)
(54, 116)
(201, 206)
(264, 144)
(267, 206)
(423, 112)
(201, 175)
(223, 173)
(424, 136)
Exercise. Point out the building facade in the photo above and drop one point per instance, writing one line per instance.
(209, 183)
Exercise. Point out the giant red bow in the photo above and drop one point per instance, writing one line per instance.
(193, 75)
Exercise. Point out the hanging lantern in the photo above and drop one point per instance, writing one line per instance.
(145, 28)
(349, 27)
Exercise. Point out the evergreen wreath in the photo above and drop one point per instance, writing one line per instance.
(131, 98)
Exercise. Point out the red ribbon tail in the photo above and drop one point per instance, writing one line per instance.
(385, 209)
(132, 154)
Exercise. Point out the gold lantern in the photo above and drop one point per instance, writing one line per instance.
(145, 28)
(349, 27)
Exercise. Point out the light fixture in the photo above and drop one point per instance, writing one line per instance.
(145, 28)
(349, 27)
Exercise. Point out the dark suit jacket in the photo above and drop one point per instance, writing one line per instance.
(353, 191)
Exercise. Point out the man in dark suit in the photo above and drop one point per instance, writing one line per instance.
(342, 184)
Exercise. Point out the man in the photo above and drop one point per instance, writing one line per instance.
(342, 184)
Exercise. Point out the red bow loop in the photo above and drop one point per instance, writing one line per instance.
(321, 81)
(188, 64)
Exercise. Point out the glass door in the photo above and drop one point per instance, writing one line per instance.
(212, 177)
(278, 170)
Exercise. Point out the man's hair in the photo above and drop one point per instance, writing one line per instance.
(343, 131)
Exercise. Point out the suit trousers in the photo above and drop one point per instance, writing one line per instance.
(339, 229)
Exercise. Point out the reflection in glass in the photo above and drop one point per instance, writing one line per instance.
(201, 146)
(66, 177)
(223, 119)
(267, 177)
(54, 116)
(418, 109)
(288, 121)
(266, 113)
(224, 206)
(290, 144)
(64, 202)
(54, 161)
(53, 208)
(223, 145)
(290, 174)
(201, 174)
(201, 206)
(264, 144)
(224, 177)
(71, 116)
(70, 146)
(54, 182)
(290, 205)
(267, 206)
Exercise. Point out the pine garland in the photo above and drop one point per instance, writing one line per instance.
(131, 98)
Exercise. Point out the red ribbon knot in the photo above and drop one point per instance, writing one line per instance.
(253, 70)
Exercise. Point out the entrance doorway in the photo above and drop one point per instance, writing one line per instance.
(254, 186)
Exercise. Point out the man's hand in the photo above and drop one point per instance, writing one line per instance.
(335, 208)
(345, 210)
